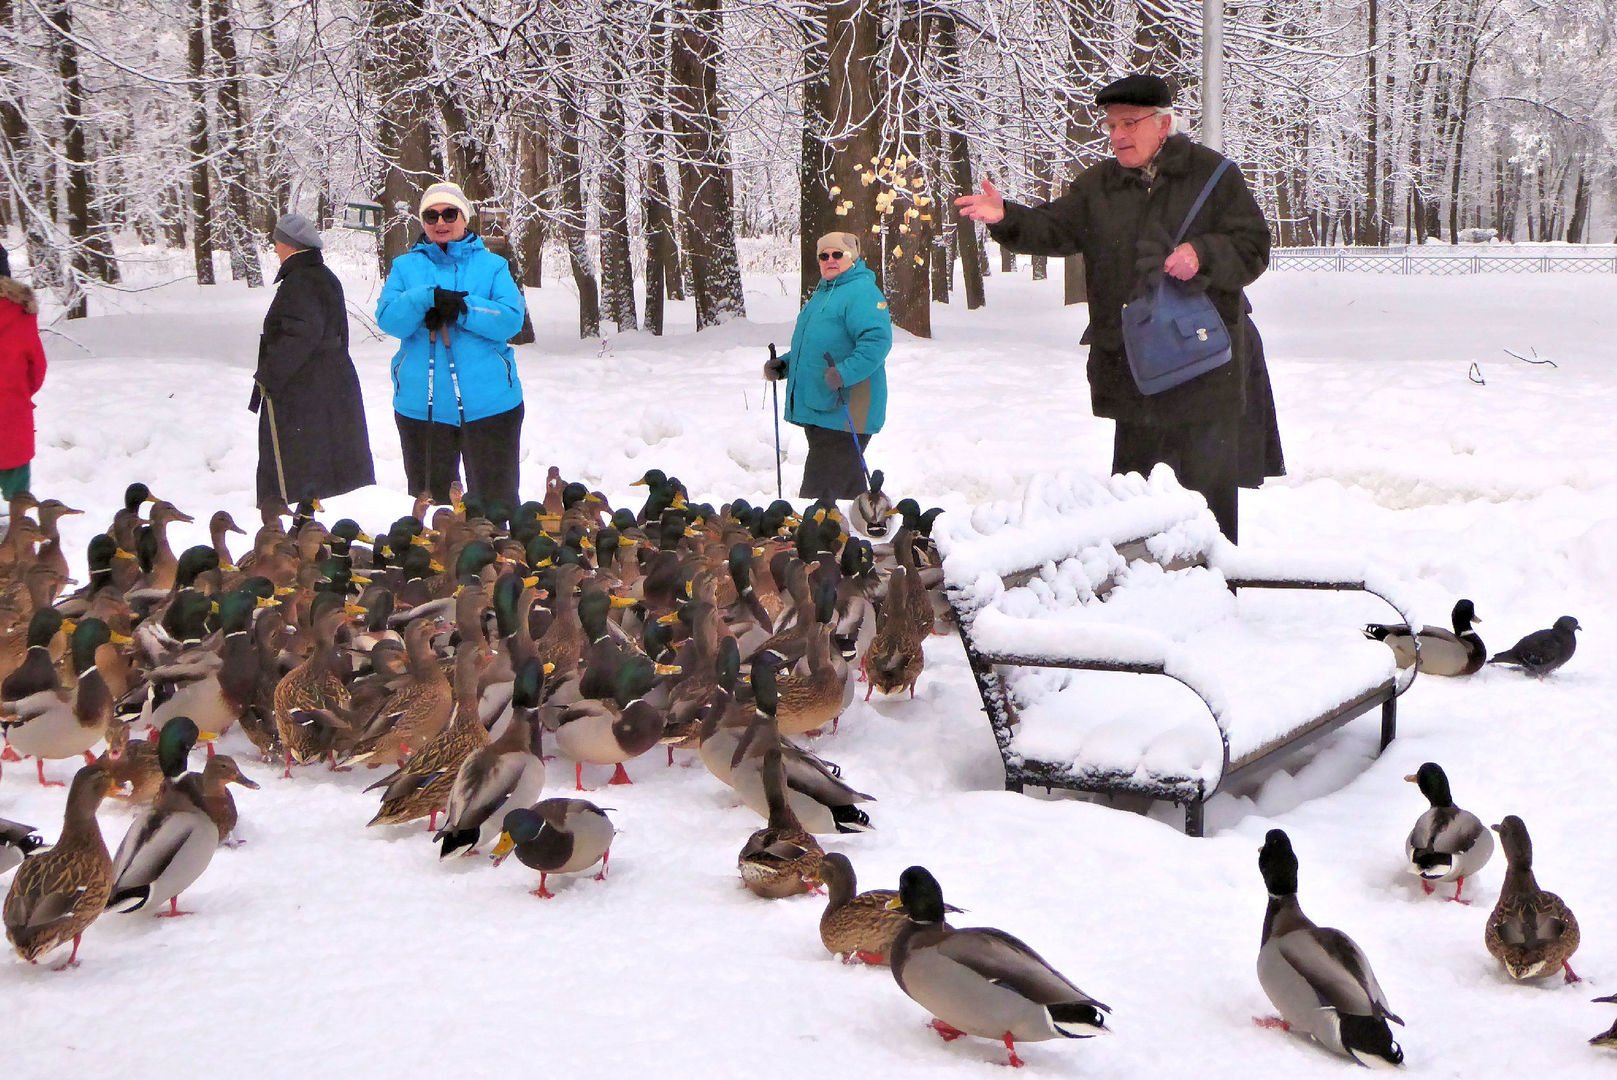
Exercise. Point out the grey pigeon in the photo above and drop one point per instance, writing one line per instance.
(1542, 651)
(16, 841)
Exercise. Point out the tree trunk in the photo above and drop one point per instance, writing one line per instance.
(657, 210)
(395, 75)
(570, 179)
(1578, 222)
(958, 152)
(33, 203)
(909, 211)
(80, 261)
(533, 172)
(617, 262)
(1370, 223)
(699, 125)
(233, 153)
(816, 215)
(854, 121)
(201, 197)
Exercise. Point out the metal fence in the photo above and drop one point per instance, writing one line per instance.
(1449, 261)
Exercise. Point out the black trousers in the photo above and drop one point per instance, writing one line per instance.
(1205, 457)
(491, 446)
(832, 469)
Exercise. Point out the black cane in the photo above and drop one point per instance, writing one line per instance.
(774, 389)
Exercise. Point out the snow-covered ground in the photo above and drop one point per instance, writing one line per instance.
(326, 948)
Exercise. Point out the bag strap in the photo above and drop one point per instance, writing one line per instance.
(1201, 200)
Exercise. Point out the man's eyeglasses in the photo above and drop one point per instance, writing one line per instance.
(1111, 127)
(827, 256)
(448, 214)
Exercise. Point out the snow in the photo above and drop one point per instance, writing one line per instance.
(325, 947)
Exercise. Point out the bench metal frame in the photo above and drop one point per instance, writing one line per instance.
(1191, 793)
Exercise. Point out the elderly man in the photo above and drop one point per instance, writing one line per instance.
(1121, 215)
(312, 440)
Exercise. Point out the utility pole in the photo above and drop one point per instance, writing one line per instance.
(1213, 74)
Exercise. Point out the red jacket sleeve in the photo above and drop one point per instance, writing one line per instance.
(36, 363)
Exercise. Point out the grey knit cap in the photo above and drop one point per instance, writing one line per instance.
(298, 231)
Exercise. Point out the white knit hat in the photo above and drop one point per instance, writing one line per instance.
(445, 192)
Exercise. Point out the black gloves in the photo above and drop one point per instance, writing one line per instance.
(774, 369)
(447, 306)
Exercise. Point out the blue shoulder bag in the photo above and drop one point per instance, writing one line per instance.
(1171, 334)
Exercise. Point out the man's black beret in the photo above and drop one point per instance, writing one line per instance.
(1137, 90)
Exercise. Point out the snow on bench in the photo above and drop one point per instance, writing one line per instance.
(1067, 596)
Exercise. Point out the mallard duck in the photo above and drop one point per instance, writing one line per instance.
(822, 801)
(58, 893)
(422, 786)
(135, 770)
(126, 522)
(217, 775)
(506, 774)
(258, 719)
(611, 722)
(1542, 651)
(17, 842)
(415, 711)
(50, 552)
(807, 701)
(309, 697)
(169, 846)
(1442, 652)
(1317, 978)
(1447, 843)
(781, 859)
(53, 723)
(1531, 932)
(1607, 1038)
(896, 657)
(871, 508)
(193, 682)
(859, 926)
(557, 836)
(982, 981)
(35, 670)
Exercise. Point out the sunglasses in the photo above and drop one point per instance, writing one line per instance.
(827, 256)
(448, 215)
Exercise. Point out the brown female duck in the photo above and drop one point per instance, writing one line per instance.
(309, 699)
(781, 859)
(1531, 932)
(422, 787)
(58, 893)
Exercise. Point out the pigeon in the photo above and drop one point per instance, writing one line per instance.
(1542, 651)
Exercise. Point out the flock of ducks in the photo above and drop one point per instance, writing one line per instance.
(446, 650)
(1461, 652)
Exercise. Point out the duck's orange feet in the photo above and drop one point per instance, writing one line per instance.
(620, 776)
(1010, 1048)
(1271, 1022)
(40, 762)
(948, 1031)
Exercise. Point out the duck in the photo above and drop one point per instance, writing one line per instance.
(781, 859)
(1607, 1038)
(896, 658)
(17, 842)
(1447, 843)
(1441, 652)
(54, 723)
(858, 926)
(815, 791)
(217, 775)
(871, 508)
(57, 894)
(421, 787)
(807, 701)
(556, 836)
(192, 681)
(506, 774)
(1542, 651)
(611, 722)
(220, 526)
(982, 981)
(308, 698)
(168, 847)
(1317, 977)
(1531, 932)
(416, 708)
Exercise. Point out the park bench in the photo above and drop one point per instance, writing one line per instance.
(1065, 599)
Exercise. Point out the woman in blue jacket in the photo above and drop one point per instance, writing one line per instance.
(454, 306)
(836, 370)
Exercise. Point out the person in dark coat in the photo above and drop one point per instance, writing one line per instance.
(1121, 216)
(312, 439)
(22, 373)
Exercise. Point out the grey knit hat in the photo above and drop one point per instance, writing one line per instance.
(297, 231)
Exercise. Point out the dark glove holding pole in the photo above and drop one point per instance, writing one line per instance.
(449, 303)
(774, 367)
(833, 377)
(433, 320)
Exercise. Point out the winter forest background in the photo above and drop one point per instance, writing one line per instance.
(641, 142)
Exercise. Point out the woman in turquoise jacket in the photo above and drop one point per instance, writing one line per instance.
(454, 307)
(836, 370)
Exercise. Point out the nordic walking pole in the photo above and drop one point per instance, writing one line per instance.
(774, 389)
(847, 414)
